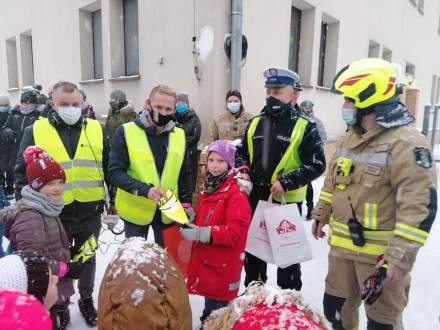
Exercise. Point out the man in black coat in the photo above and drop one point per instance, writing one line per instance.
(21, 117)
(7, 139)
(271, 139)
(187, 119)
(156, 125)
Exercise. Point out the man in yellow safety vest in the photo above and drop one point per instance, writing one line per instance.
(149, 157)
(80, 146)
(281, 152)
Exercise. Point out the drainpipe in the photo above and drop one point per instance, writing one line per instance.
(237, 15)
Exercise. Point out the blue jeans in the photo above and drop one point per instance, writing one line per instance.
(212, 305)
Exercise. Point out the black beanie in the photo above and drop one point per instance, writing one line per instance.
(37, 269)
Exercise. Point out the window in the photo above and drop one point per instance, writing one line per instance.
(90, 34)
(294, 41)
(373, 49)
(328, 50)
(387, 54)
(97, 44)
(302, 30)
(322, 44)
(27, 59)
(11, 60)
(131, 42)
(124, 37)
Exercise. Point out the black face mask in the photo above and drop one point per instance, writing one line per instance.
(158, 119)
(114, 105)
(274, 107)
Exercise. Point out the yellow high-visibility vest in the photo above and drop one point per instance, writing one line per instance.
(139, 209)
(84, 173)
(290, 160)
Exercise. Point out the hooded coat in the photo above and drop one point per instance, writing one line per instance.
(215, 269)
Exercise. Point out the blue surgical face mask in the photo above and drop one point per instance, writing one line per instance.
(349, 116)
(4, 108)
(233, 107)
(181, 107)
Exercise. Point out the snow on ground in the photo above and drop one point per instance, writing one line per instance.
(422, 311)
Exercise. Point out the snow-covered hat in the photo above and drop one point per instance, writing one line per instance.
(266, 307)
(13, 275)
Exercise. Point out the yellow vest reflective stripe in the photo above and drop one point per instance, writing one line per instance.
(347, 243)
(370, 215)
(377, 240)
(84, 174)
(290, 160)
(326, 197)
(139, 209)
(411, 233)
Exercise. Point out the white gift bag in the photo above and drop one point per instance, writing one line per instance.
(257, 242)
(287, 236)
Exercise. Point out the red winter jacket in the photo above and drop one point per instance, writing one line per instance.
(214, 270)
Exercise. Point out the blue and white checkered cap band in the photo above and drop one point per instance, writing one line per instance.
(281, 77)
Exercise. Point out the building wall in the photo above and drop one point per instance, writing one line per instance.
(166, 55)
(396, 24)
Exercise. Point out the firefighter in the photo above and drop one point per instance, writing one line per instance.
(379, 200)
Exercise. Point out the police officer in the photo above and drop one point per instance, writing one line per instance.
(379, 198)
(80, 146)
(147, 158)
(281, 152)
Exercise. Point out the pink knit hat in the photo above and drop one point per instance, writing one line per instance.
(19, 310)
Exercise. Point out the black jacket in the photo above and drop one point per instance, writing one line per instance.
(271, 139)
(69, 135)
(3, 118)
(18, 122)
(5, 142)
(190, 123)
(119, 162)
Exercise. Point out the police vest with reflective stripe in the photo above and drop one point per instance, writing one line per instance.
(290, 160)
(139, 209)
(84, 174)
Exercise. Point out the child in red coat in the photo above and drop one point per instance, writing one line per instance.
(219, 232)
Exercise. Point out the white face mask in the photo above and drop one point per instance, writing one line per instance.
(70, 115)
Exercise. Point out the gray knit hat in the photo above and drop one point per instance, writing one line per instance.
(118, 95)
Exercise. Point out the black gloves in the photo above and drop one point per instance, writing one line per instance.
(74, 270)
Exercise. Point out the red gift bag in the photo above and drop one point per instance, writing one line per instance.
(177, 248)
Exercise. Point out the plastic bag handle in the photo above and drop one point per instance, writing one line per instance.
(283, 200)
